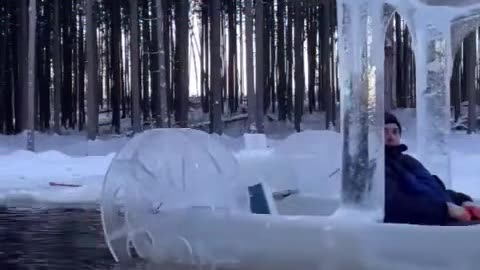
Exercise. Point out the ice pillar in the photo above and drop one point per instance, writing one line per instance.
(361, 56)
(433, 98)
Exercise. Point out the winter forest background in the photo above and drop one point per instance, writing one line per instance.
(117, 66)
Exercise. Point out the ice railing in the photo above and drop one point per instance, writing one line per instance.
(178, 197)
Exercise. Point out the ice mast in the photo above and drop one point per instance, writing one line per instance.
(361, 38)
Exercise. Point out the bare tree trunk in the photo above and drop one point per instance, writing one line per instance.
(272, 63)
(146, 63)
(231, 55)
(135, 58)
(115, 26)
(455, 87)
(154, 62)
(181, 62)
(169, 52)
(394, 68)
(44, 77)
(215, 68)
(267, 49)
(204, 57)
(333, 66)
(241, 77)
(282, 75)
(327, 86)
(92, 74)
(470, 58)
(57, 68)
(408, 91)
(21, 108)
(251, 103)
(400, 83)
(223, 54)
(413, 78)
(162, 112)
(10, 76)
(123, 70)
(81, 75)
(389, 67)
(299, 68)
(4, 102)
(259, 65)
(289, 58)
(67, 112)
(32, 23)
(74, 97)
(311, 55)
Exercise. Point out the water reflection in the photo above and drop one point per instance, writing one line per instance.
(52, 239)
(58, 239)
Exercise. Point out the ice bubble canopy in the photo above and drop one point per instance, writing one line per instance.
(163, 170)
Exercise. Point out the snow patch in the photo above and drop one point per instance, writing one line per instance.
(309, 160)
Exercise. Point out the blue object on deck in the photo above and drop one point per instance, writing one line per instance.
(258, 200)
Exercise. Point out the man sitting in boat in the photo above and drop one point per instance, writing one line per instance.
(413, 195)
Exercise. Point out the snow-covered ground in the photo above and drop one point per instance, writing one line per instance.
(25, 177)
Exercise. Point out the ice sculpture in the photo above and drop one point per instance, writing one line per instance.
(177, 197)
(361, 32)
(167, 169)
(433, 23)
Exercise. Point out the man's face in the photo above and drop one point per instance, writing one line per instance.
(392, 135)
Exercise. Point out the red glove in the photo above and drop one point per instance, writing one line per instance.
(473, 209)
(458, 212)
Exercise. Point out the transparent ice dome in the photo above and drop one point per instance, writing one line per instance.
(165, 169)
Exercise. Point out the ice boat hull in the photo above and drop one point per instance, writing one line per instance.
(201, 238)
(193, 215)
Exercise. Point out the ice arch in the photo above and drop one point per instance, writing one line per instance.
(431, 24)
(461, 27)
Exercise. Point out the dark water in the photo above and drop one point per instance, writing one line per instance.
(53, 239)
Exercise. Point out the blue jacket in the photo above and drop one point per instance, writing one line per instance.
(412, 194)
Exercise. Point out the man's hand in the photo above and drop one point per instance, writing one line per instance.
(458, 212)
(473, 208)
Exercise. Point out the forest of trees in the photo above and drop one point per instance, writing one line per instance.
(71, 64)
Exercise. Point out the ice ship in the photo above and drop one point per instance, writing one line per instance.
(180, 197)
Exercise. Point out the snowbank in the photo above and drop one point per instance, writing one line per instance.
(309, 161)
(26, 177)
